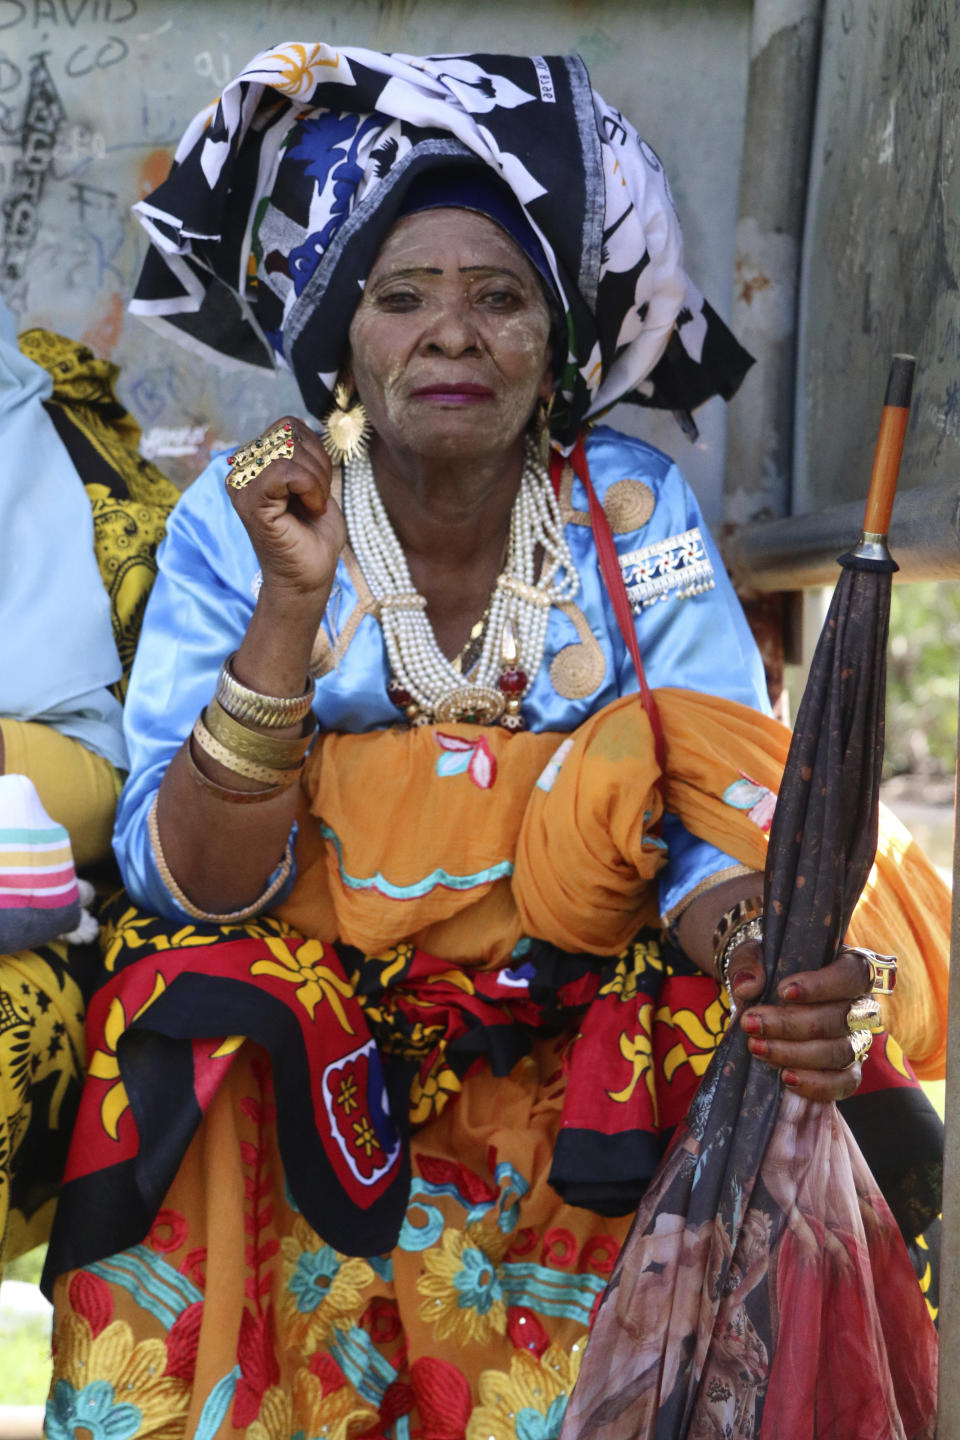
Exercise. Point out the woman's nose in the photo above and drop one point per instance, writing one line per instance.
(452, 330)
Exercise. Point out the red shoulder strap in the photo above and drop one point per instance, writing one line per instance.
(616, 589)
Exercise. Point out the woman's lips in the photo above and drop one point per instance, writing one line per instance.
(464, 394)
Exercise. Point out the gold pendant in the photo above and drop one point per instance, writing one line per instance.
(474, 704)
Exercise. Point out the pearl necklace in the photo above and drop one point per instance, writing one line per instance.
(516, 631)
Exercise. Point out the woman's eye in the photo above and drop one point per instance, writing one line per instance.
(398, 300)
(501, 299)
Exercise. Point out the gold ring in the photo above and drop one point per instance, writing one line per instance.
(861, 1041)
(865, 1014)
(883, 972)
(250, 460)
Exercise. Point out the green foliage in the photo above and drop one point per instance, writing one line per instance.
(27, 1267)
(923, 675)
(24, 1339)
(25, 1362)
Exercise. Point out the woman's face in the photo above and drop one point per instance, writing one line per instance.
(450, 345)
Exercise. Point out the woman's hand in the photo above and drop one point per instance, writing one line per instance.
(295, 527)
(806, 1034)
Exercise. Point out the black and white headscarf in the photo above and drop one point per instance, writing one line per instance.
(283, 191)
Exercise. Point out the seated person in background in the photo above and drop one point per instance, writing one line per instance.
(72, 485)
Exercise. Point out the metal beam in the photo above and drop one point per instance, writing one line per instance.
(781, 97)
(801, 552)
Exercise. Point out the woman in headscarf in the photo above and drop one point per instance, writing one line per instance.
(444, 887)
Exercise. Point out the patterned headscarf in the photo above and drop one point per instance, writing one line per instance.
(283, 191)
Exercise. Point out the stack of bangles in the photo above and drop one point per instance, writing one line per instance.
(743, 921)
(224, 732)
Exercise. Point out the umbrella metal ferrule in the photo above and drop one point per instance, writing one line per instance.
(871, 553)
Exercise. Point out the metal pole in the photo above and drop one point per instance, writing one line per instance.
(797, 553)
(948, 1420)
(781, 99)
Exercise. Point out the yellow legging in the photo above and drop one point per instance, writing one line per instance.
(77, 788)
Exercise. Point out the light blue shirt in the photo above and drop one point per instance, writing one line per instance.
(57, 652)
(206, 590)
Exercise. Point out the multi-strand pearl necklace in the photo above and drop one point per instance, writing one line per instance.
(426, 684)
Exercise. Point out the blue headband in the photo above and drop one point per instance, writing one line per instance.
(475, 188)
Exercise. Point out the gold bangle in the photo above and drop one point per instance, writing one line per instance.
(252, 744)
(223, 792)
(250, 769)
(732, 920)
(273, 712)
(751, 929)
(246, 913)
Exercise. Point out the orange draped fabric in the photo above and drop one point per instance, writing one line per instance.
(234, 1314)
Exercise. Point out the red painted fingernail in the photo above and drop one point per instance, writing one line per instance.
(743, 977)
(288, 427)
(230, 459)
(792, 992)
(752, 1023)
(756, 1046)
(789, 1078)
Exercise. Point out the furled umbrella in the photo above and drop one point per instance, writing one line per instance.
(764, 1289)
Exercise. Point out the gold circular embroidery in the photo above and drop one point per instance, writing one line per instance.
(577, 671)
(628, 505)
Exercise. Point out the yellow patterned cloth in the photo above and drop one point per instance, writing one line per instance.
(42, 991)
(41, 1069)
(130, 498)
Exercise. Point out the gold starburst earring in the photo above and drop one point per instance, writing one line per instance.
(346, 428)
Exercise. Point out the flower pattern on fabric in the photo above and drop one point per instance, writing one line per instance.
(104, 1064)
(112, 1387)
(630, 975)
(296, 67)
(323, 1289)
(637, 1050)
(429, 1093)
(473, 757)
(311, 1410)
(702, 1035)
(462, 1285)
(316, 982)
(529, 1401)
(92, 1409)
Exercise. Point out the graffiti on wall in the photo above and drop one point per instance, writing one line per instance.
(95, 94)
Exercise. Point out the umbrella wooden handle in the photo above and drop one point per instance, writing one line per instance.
(886, 460)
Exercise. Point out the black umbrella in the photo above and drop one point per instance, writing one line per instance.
(764, 1277)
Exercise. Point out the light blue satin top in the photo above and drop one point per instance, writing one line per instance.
(56, 638)
(205, 594)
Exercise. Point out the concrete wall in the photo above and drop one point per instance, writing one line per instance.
(94, 95)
